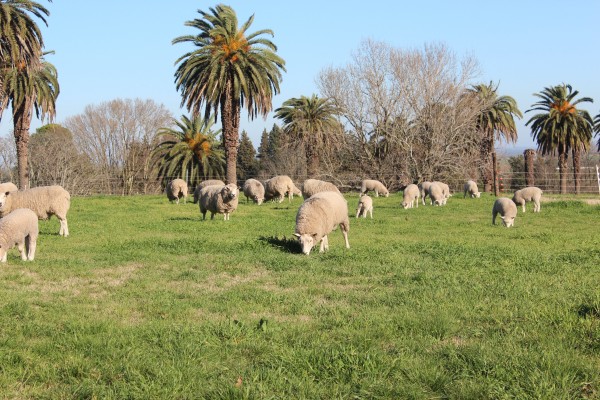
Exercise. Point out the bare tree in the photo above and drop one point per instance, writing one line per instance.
(407, 110)
(118, 136)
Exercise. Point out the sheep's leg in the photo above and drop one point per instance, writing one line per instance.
(370, 211)
(31, 247)
(494, 214)
(536, 206)
(21, 247)
(345, 233)
(64, 227)
(358, 212)
(3, 257)
(212, 215)
(324, 244)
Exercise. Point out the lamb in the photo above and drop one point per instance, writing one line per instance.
(177, 189)
(436, 194)
(219, 200)
(445, 189)
(45, 201)
(312, 186)
(424, 186)
(365, 204)
(19, 227)
(8, 187)
(254, 190)
(318, 216)
(471, 188)
(374, 185)
(507, 210)
(530, 193)
(277, 187)
(203, 184)
(411, 196)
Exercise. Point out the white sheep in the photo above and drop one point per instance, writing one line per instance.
(507, 210)
(530, 193)
(445, 189)
(45, 201)
(203, 184)
(411, 196)
(470, 187)
(318, 216)
(219, 200)
(8, 187)
(365, 204)
(374, 185)
(177, 189)
(424, 187)
(279, 186)
(19, 227)
(254, 190)
(436, 194)
(313, 186)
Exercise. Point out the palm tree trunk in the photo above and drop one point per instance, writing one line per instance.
(562, 169)
(495, 173)
(577, 169)
(22, 122)
(486, 172)
(230, 121)
(529, 155)
(312, 161)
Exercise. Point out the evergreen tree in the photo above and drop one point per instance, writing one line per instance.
(246, 158)
(264, 147)
(275, 141)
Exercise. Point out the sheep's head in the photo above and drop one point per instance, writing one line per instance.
(477, 195)
(386, 193)
(404, 205)
(3, 197)
(259, 200)
(507, 221)
(230, 192)
(307, 241)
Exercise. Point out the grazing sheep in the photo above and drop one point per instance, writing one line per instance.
(203, 184)
(507, 210)
(8, 187)
(471, 188)
(411, 196)
(436, 194)
(219, 200)
(312, 186)
(365, 204)
(318, 216)
(254, 190)
(424, 187)
(177, 189)
(374, 185)
(19, 227)
(45, 201)
(445, 189)
(530, 193)
(279, 186)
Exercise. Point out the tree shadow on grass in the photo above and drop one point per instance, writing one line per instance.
(284, 244)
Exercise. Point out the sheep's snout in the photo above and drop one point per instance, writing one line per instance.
(508, 221)
(307, 242)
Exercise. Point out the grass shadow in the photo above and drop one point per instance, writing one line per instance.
(283, 244)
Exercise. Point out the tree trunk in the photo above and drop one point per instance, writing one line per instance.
(562, 169)
(495, 173)
(230, 121)
(312, 161)
(486, 149)
(22, 122)
(529, 156)
(577, 169)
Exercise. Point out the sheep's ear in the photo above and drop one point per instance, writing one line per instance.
(297, 235)
(502, 217)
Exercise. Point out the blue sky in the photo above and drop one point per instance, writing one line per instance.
(122, 48)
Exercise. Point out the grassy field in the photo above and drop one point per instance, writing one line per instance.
(145, 300)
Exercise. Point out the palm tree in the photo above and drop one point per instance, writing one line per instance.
(560, 126)
(311, 122)
(597, 128)
(189, 151)
(29, 88)
(229, 69)
(21, 41)
(495, 121)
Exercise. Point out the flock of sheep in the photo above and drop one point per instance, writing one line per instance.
(324, 207)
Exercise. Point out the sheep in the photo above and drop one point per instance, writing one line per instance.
(365, 204)
(277, 187)
(436, 194)
(19, 227)
(254, 190)
(45, 201)
(374, 185)
(411, 196)
(317, 217)
(203, 184)
(530, 193)
(8, 187)
(424, 187)
(507, 210)
(177, 189)
(471, 188)
(312, 186)
(219, 200)
(445, 189)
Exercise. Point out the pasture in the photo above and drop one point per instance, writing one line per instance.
(146, 300)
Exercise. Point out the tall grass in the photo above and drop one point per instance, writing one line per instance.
(146, 300)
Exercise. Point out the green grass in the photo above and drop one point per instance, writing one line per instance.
(146, 300)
